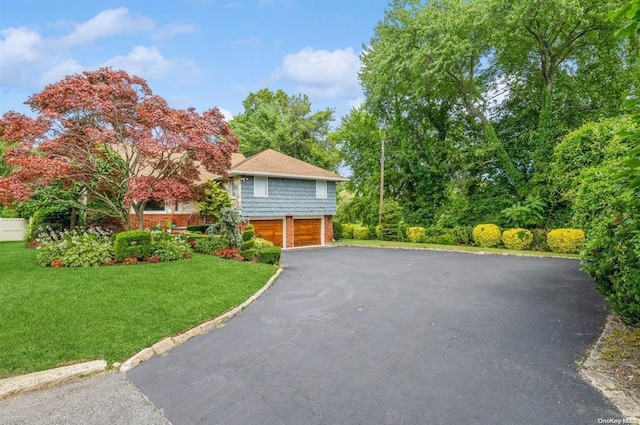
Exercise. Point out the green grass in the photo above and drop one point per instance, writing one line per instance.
(51, 317)
(391, 244)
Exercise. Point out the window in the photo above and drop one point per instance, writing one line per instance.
(321, 189)
(260, 187)
(154, 205)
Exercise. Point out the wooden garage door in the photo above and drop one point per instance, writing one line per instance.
(306, 231)
(270, 230)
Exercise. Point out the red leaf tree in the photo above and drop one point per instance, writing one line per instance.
(106, 133)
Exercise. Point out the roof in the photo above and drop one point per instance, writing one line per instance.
(275, 164)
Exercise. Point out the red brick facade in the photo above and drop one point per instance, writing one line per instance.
(180, 220)
(328, 229)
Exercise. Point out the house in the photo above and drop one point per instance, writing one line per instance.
(289, 202)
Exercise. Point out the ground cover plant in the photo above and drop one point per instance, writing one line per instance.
(56, 316)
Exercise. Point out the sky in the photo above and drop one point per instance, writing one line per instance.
(193, 53)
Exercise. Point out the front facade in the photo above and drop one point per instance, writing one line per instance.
(289, 202)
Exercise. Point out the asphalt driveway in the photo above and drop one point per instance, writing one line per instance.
(382, 336)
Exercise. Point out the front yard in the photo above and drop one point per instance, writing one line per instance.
(55, 316)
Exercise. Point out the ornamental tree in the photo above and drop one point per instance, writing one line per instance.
(107, 134)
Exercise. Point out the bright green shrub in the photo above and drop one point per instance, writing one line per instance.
(249, 233)
(347, 230)
(248, 248)
(487, 235)
(361, 233)
(270, 255)
(415, 234)
(517, 238)
(566, 241)
(263, 243)
(378, 231)
(170, 249)
(209, 245)
(463, 234)
(132, 244)
(74, 248)
(391, 218)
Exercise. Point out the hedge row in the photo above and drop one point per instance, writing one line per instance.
(567, 241)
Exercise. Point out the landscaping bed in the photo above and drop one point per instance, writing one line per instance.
(57, 316)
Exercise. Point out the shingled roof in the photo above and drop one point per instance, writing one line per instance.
(275, 164)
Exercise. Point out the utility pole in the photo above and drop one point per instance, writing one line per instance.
(381, 182)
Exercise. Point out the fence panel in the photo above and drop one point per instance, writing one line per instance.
(13, 229)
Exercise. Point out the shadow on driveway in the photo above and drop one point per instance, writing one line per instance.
(383, 336)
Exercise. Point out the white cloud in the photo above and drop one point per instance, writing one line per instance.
(60, 70)
(146, 62)
(20, 50)
(322, 73)
(356, 103)
(106, 24)
(171, 30)
(228, 115)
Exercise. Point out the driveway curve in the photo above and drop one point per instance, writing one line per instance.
(353, 335)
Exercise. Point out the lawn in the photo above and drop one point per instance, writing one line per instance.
(51, 317)
(393, 244)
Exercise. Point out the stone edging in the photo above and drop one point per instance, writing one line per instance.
(629, 408)
(168, 343)
(47, 378)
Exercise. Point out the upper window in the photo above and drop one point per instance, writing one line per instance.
(321, 189)
(260, 187)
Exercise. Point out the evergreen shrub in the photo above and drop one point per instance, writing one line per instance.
(132, 244)
(566, 241)
(270, 255)
(347, 230)
(487, 235)
(517, 238)
(361, 233)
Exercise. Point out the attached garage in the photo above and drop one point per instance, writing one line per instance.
(270, 230)
(307, 231)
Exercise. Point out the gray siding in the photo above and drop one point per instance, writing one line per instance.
(287, 197)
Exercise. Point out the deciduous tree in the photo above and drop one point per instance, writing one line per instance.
(107, 132)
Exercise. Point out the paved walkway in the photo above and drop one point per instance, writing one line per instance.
(379, 336)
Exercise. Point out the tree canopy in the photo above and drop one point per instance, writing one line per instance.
(286, 123)
(107, 137)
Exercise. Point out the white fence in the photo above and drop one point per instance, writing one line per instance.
(13, 229)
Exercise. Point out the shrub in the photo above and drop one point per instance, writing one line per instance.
(391, 218)
(539, 240)
(229, 254)
(517, 238)
(361, 233)
(270, 255)
(248, 248)
(209, 245)
(464, 234)
(170, 249)
(415, 234)
(227, 227)
(263, 243)
(566, 241)
(132, 244)
(249, 233)
(216, 199)
(487, 235)
(74, 248)
(378, 232)
(347, 230)
(337, 230)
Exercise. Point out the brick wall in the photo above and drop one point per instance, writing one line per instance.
(180, 220)
(289, 230)
(328, 229)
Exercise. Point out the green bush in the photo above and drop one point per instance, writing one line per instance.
(337, 230)
(361, 233)
(539, 242)
(379, 233)
(249, 233)
(487, 235)
(463, 234)
(566, 241)
(391, 218)
(209, 245)
(445, 236)
(227, 227)
(270, 255)
(262, 243)
(517, 238)
(347, 230)
(36, 223)
(199, 228)
(74, 248)
(132, 244)
(415, 234)
(170, 249)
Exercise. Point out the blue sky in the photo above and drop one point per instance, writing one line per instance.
(200, 53)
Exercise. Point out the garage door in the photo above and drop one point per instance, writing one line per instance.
(270, 230)
(307, 231)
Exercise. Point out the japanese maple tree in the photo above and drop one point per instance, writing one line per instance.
(107, 134)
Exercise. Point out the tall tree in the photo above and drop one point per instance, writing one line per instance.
(106, 133)
(285, 123)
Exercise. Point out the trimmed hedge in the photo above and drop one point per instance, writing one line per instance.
(487, 235)
(517, 238)
(200, 228)
(132, 244)
(337, 230)
(361, 233)
(270, 255)
(347, 230)
(415, 234)
(566, 241)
